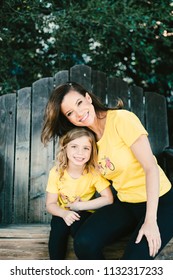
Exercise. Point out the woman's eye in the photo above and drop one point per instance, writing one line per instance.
(79, 102)
(69, 114)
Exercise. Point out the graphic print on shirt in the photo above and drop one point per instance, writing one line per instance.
(105, 164)
(66, 199)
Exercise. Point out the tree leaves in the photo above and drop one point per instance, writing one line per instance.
(129, 39)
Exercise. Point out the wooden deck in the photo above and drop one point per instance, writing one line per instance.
(29, 242)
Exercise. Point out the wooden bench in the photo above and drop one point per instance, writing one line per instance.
(29, 242)
(25, 163)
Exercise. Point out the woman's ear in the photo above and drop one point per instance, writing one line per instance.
(88, 97)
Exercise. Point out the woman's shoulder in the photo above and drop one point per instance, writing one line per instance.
(121, 113)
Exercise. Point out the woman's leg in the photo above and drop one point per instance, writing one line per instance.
(140, 251)
(58, 238)
(106, 225)
(165, 218)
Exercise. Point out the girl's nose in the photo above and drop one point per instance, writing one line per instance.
(79, 151)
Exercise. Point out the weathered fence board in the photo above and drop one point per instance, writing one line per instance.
(61, 77)
(7, 149)
(41, 158)
(156, 121)
(25, 162)
(81, 75)
(137, 102)
(117, 88)
(99, 85)
(22, 156)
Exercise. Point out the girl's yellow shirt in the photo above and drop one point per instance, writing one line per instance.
(68, 188)
(116, 160)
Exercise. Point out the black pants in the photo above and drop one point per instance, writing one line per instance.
(111, 222)
(59, 234)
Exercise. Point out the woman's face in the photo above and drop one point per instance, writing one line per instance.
(78, 109)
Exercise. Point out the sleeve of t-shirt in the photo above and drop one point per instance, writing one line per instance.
(52, 184)
(101, 183)
(129, 127)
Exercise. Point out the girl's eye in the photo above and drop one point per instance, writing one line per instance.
(86, 148)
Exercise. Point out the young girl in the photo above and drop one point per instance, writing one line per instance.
(71, 186)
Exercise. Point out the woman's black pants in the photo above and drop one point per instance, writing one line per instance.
(110, 223)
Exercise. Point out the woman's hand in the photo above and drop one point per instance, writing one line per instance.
(151, 231)
(70, 217)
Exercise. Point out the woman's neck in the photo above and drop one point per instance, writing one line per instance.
(99, 125)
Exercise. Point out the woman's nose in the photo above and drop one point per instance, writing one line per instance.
(79, 112)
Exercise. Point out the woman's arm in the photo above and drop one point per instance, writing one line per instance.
(142, 151)
(106, 197)
(53, 208)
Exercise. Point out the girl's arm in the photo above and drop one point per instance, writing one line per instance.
(142, 151)
(53, 208)
(105, 198)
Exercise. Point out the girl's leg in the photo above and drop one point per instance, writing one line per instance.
(84, 215)
(140, 251)
(58, 238)
(106, 225)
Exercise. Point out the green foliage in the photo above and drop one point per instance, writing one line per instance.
(128, 39)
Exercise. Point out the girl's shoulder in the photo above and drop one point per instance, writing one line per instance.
(54, 171)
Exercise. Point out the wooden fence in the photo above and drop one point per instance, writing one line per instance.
(25, 162)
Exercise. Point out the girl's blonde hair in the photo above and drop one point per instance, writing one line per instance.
(61, 158)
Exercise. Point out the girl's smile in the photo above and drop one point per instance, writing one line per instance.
(79, 151)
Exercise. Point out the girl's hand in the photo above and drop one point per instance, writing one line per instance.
(151, 231)
(74, 205)
(70, 217)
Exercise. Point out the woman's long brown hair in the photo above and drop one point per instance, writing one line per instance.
(55, 123)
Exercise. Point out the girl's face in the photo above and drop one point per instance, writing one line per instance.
(78, 109)
(79, 151)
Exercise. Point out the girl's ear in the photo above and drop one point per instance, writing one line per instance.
(88, 97)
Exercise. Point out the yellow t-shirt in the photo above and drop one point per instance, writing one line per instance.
(68, 188)
(116, 160)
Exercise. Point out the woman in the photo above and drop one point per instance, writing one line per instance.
(143, 194)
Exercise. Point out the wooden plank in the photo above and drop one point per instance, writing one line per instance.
(31, 242)
(23, 249)
(99, 85)
(24, 231)
(117, 88)
(22, 156)
(61, 77)
(137, 102)
(156, 121)
(7, 146)
(41, 157)
(81, 74)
